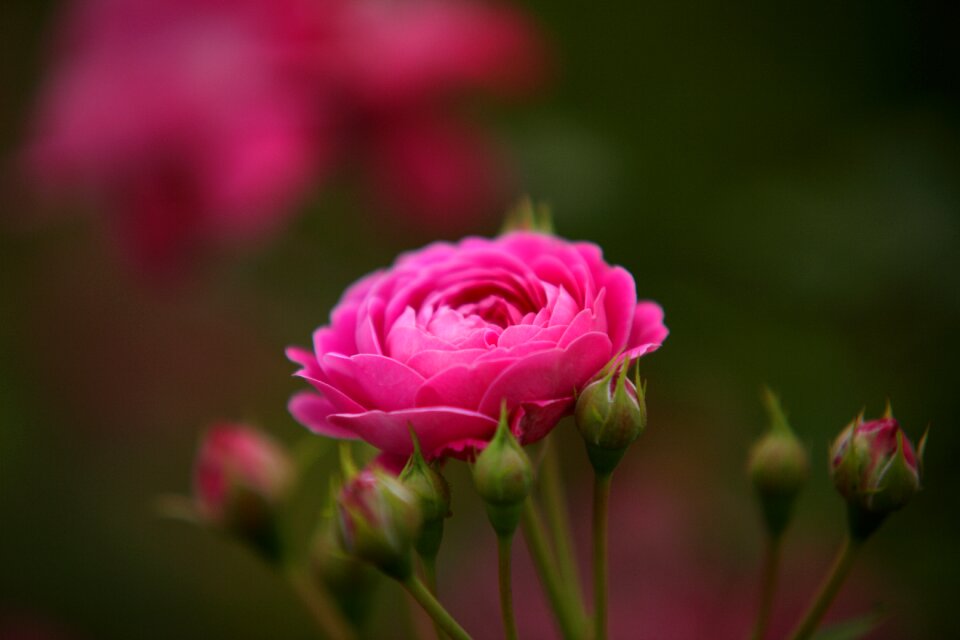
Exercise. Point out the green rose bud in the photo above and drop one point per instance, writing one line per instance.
(433, 495)
(778, 467)
(503, 476)
(611, 414)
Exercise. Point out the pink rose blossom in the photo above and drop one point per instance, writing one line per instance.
(233, 459)
(204, 122)
(451, 330)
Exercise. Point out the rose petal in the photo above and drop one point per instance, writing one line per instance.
(312, 410)
(435, 427)
(372, 380)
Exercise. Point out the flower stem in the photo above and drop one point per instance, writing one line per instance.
(569, 615)
(318, 603)
(601, 497)
(559, 522)
(505, 573)
(828, 590)
(430, 576)
(434, 609)
(768, 584)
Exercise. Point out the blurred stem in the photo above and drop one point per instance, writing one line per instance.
(828, 590)
(320, 606)
(430, 577)
(505, 574)
(434, 609)
(768, 584)
(601, 498)
(554, 498)
(569, 615)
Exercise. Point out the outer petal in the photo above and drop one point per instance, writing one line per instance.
(648, 331)
(373, 380)
(436, 427)
(311, 410)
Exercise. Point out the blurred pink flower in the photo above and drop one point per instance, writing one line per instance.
(198, 122)
(235, 462)
(440, 339)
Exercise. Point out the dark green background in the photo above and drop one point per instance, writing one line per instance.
(783, 178)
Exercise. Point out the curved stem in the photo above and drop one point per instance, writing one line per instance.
(556, 509)
(323, 611)
(768, 585)
(601, 497)
(828, 590)
(569, 615)
(504, 571)
(434, 609)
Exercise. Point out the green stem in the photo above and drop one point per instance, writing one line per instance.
(828, 590)
(434, 609)
(569, 615)
(430, 576)
(601, 497)
(505, 573)
(768, 584)
(559, 522)
(318, 603)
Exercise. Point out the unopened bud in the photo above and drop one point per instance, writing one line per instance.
(378, 521)
(778, 467)
(611, 413)
(241, 477)
(503, 476)
(874, 467)
(433, 495)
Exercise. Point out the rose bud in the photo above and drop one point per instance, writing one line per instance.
(240, 479)
(378, 521)
(503, 476)
(433, 495)
(874, 467)
(778, 468)
(610, 415)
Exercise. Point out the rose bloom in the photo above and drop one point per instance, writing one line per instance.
(440, 339)
(201, 123)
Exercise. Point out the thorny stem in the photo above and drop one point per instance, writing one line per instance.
(601, 497)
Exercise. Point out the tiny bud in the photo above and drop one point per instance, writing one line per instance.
(503, 476)
(874, 467)
(433, 495)
(241, 476)
(527, 216)
(611, 413)
(778, 468)
(378, 521)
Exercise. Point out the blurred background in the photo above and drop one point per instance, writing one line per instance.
(784, 179)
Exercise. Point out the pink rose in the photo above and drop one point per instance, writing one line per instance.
(450, 331)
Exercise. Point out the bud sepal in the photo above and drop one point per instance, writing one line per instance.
(503, 476)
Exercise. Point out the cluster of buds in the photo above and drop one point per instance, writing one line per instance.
(503, 476)
(241, 478)
(611, 413)
(875, 468)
